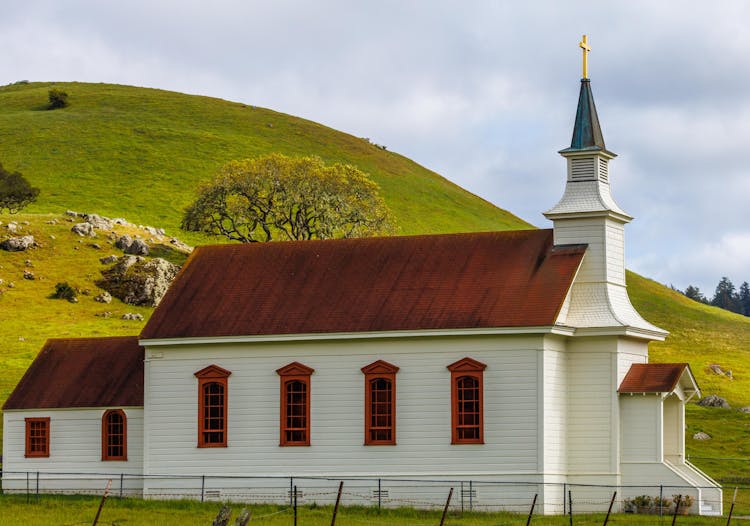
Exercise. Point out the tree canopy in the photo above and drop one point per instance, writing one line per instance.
(278, 197)
(15, 191)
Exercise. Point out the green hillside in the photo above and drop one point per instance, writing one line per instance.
(139, 153)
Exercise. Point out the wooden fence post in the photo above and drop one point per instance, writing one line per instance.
(336, 507)
(101, 504)
(731, 508)
(611, 503)
(445, 509)
(676, 508)
(295, 505)
(243, 518)
(531, 511)
(570, 506)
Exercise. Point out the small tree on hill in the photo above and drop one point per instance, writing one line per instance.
(694, 293)
(726, 297)
(744, 298)
(57, 98)
(15, 191)
(279, 197)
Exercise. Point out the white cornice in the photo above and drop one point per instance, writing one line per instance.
(561, 330)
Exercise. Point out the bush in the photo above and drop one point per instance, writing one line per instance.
(63, 291)
(57, 98)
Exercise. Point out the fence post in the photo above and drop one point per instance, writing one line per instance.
(462, 496)
(570, 506)
(661, 500)
(380, 495)
(731, 508)
(295, 505)
(676, 508)
(531, 511)
(291, 491)
(611, 503)
(203, 486)
(37, 486)
(565, 496)
(471, 496)
(445, 509)
(122, 479)
(336, 507)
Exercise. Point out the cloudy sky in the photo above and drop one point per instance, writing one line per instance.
(482, 92)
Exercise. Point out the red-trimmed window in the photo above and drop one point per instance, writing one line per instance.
(212, 406)
(295, 404)
(467, 405)
(380, 403)
(37, 437)
(114, 435)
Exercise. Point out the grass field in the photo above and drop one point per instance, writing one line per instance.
(70, 511)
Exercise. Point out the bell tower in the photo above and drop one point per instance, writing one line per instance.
(587, 213)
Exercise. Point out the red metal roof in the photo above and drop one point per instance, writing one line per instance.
(82, 372)
(652, 377)
(477, 280)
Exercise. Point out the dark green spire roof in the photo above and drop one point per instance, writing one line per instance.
(587, 134)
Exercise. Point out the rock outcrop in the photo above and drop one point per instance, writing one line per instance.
(18, 244)
(138, 281)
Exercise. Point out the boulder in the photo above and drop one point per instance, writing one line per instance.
(83, 229)
(28, 275)
(137, 281)
(97, 221)
(714, 401)
(701, 436)
(12, 227)
(104, 297)
(132, 316)
(137, 248)
(108, 260)
(124, 242)
(18, 244)
(745, 409)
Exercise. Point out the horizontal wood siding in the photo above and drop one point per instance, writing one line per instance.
(555, 407)
(75, 446)
(337, 397)
(591, 396)
(640, 417)
(605, 256)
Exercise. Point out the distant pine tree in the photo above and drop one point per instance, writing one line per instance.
(726, 296)
(744, 298)
(694, 293)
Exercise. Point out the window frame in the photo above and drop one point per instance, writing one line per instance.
(220, 376)
(106, 434)
(294, 372)
(29, 423)
(379, 370)
(466, 367)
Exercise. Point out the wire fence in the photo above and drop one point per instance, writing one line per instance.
(467, 494)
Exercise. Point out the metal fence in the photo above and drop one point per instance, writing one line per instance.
(467, 494)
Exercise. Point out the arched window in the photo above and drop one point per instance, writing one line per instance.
(295, 404)
(380, 403)
(114, 435)
(212, 406)
(467, 411)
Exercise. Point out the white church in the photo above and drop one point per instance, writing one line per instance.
(511, 358)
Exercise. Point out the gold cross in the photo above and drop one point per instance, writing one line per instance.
(583, 44)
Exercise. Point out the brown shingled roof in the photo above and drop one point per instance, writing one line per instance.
(492, 279)
(82, 372)
(652, 377)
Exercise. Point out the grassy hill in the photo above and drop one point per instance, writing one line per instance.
(139, 153)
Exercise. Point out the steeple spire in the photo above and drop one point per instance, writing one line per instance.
(587, 134)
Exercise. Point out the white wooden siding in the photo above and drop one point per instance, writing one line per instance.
(641, 427)
(423, 431)
(554, 407)
(591, 395)
(605, 256)
(75, 447)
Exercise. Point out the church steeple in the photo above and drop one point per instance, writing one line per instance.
(588, 214)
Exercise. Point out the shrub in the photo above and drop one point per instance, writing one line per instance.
(63, 291)
(57, 98)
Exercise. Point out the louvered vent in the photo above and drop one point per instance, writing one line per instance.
(603, 171)
(582, 169)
